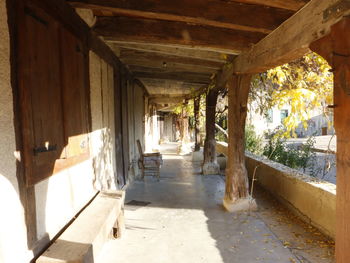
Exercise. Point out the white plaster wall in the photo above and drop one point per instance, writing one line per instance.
(61, 196)
(13, 237)
(260, 123)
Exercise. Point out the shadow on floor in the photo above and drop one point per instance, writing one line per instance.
(185, 222)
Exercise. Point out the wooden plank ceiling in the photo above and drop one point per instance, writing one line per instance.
(175, 47)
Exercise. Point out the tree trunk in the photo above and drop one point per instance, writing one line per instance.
(237, 186)
(210, 165)
(196, 104)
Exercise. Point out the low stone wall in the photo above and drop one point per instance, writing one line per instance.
(312, 199)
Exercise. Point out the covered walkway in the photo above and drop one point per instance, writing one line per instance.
(181, 219)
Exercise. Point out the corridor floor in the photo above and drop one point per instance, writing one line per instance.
(180, 219)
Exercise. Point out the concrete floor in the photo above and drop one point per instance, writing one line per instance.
(183, 221)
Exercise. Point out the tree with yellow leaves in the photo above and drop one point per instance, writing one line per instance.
(304, 84)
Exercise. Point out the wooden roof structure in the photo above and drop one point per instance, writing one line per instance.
(173, 47)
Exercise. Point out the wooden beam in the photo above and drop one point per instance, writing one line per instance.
(182, 52)
(170, 84)
(178, 69)
(157, 66)
(293, 5)
(166, 32)
(167, 100)
(169, 88)
(133, 57)
(231, 15)
(292, 39)
(178, 76)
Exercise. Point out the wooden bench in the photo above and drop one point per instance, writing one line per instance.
(82, 241)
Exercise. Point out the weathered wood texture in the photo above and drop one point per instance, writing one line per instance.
(118, 128)
(210, 142)
(125, 122)
(232, 15)
(53, 91)
(182, 52)
(69, 19)
(157, 66)
(285, 4)
(160, 87)
(141, 58)
(198, 78)
(236, 172)
(336, 49)
(26, 194)
(166, 100)
(180, 33)
(292, 39)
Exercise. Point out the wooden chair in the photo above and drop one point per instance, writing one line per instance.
(149, 163)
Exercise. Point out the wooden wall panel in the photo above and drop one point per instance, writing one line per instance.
(53, 98)
(40, 94)
(75, 110)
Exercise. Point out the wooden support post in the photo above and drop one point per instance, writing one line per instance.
(237, 187)
(210, 165)
(185, 147)
(336, 49)
(196, 105)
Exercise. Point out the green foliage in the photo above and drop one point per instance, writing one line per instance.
(253, 142)
(187, 107)
(303, 157)
(220, 137)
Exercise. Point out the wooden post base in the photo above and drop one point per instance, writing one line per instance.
(211, 168)
(240, 205)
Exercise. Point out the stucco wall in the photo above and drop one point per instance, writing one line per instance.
(61, 196)
(314, 200)
(13, 237)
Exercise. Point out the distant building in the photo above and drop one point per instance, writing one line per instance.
(318, 124)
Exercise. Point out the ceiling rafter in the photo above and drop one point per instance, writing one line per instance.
(231, 15)
(176, 33)
(293, 5)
